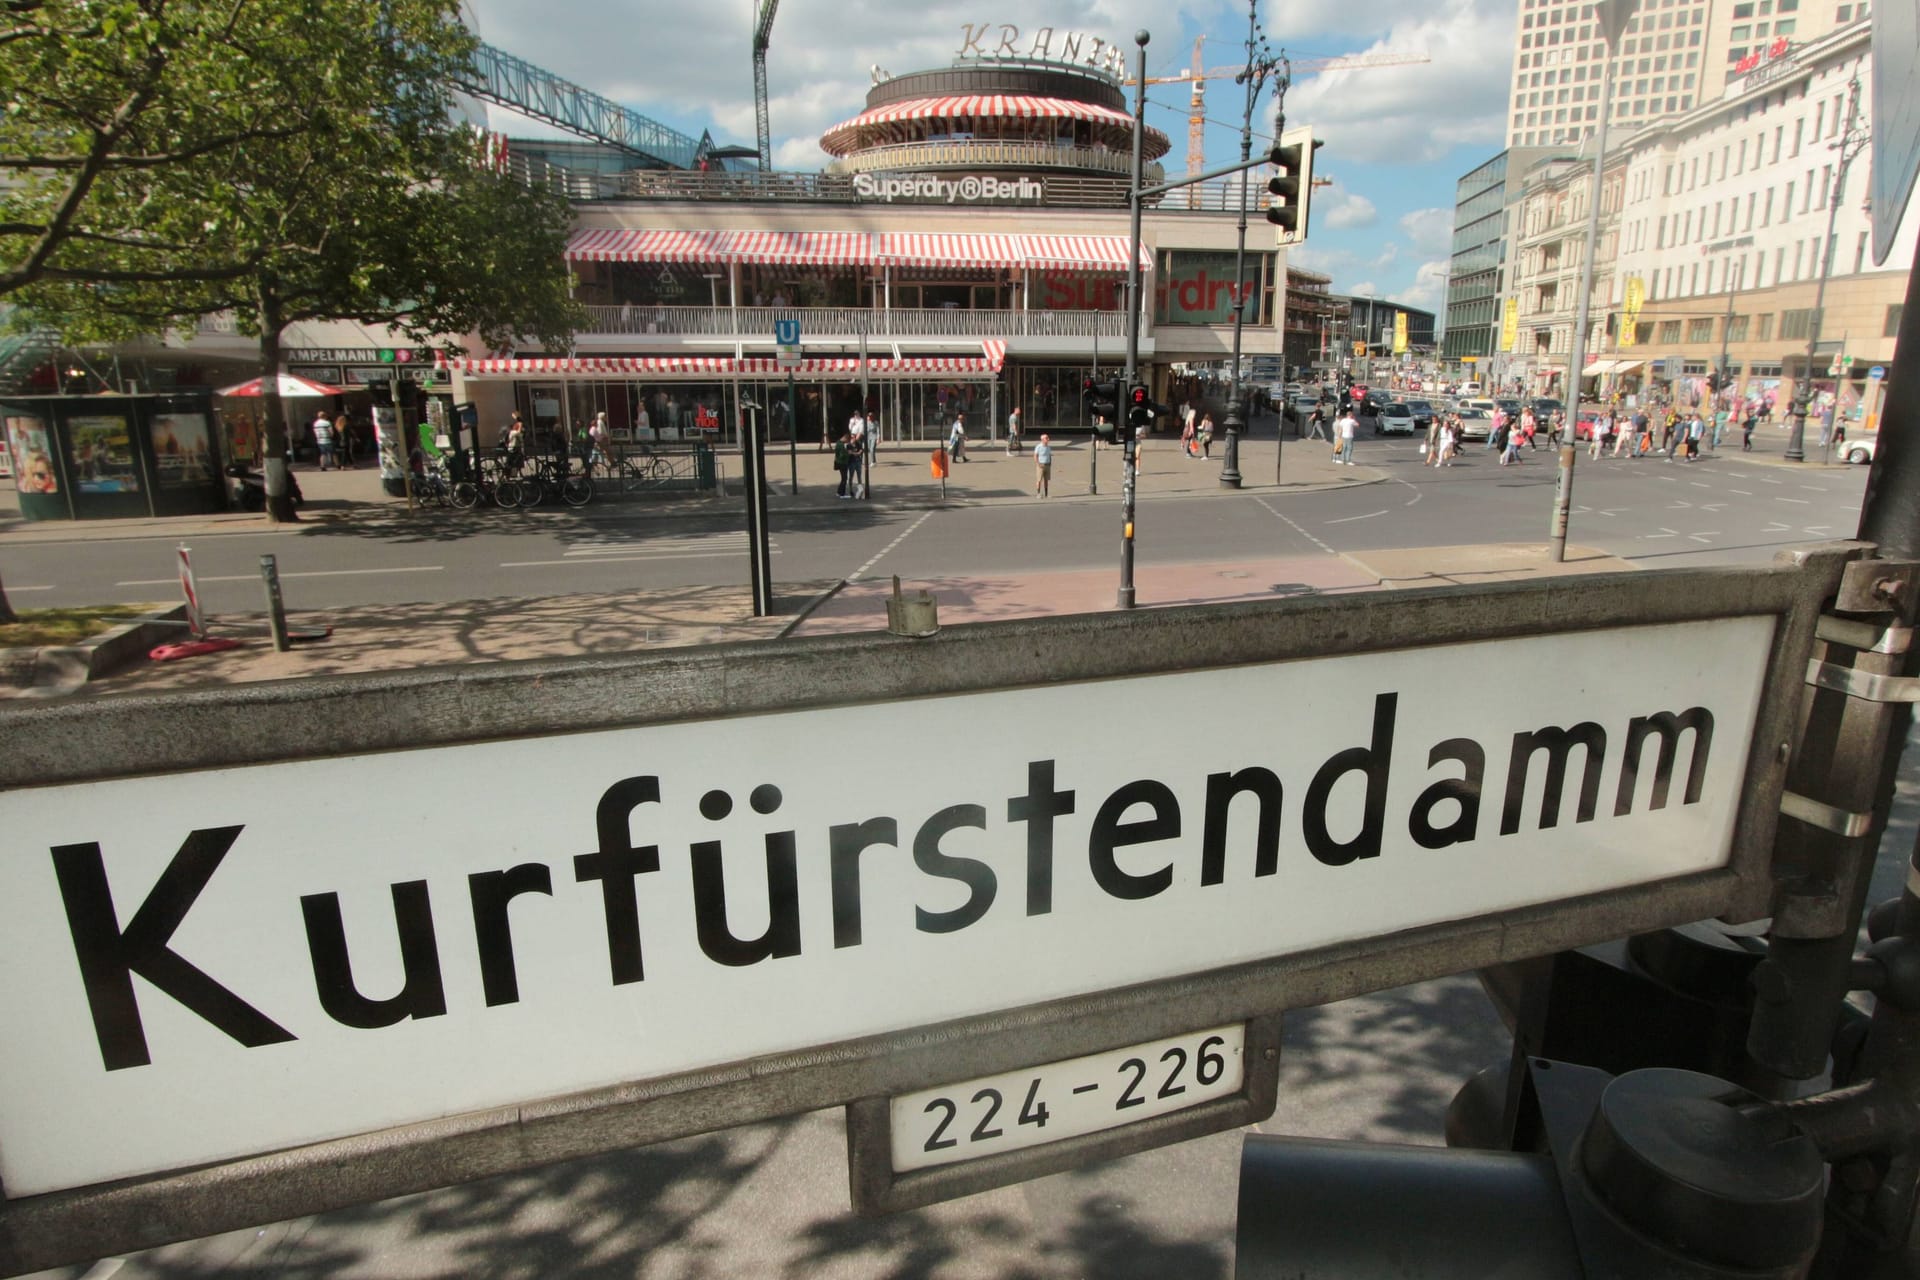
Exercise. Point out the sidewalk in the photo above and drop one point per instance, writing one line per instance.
(901, 474)
(400, 637)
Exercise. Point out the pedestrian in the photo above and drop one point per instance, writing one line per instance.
(873, 434)
(1826, 424)
(841, 455)
(1602, 425)
(1346, 428)
(1746, 432)
(1511, 454)
(1431, 449)
(1317, 421)
(1043, 466)
(1449, 443)
(1013, 432)
(1642, 433)
(857, 462)
(1666, 433)
(1559, 427)
(1528, 425)
(1622, 435)
(599, 441)
(1695, 430)
(1206, 435)
(516, 444)
(1187, 433)
(1187, 417)
(1497, 435)
(957, 439)
(323, 438)
(343, 438)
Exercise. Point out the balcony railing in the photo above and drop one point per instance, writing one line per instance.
(848, 323)
(988, 155)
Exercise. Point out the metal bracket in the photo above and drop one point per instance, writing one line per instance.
(1880, 586)
(1824, 816)
(1867, 685)
(1868, 637)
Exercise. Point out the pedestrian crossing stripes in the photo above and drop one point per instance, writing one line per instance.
(616, 550)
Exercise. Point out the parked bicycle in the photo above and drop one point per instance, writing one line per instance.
(556, 477)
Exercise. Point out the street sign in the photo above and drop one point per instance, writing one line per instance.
(334, 997)
(1876, 373)
(787, 358)
(786, 333)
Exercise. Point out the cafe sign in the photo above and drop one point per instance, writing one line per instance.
(999, 42)
(933, 189)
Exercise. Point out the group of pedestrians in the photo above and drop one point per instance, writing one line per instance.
(1616, 433)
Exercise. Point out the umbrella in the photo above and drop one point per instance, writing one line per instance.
(289, 386)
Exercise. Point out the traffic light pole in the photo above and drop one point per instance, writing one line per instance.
(1129, 444)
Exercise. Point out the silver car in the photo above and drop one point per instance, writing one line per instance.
(1396, 419)
(1475, 423)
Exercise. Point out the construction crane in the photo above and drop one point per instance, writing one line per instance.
(762, 33)
(1196, 107)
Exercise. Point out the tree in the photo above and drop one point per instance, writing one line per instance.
(104, 96)
(380, 210)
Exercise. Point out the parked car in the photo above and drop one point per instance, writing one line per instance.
(1422, 411)
(1300, 407)
(1396, 419)
(1476, 402)
(1545, 407)
(1475, 423)
(1858, 451)
(1468, 388)
(1510, 407)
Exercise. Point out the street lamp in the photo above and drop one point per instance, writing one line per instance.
(1260, 64)
(1852, 138)
(1612, 16)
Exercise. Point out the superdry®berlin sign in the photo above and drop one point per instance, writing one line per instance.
(210, 964)
(933, 188)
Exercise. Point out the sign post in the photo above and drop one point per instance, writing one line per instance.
(133, 1109)
(786, 335)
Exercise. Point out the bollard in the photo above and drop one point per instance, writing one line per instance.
(276, 609)
(916, 615)
(196, 622)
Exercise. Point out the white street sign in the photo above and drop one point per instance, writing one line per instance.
(208, 964)
(787, 358)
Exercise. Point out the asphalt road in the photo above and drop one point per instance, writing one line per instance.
(1651, 511)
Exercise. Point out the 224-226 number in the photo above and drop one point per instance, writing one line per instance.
(1066, 1099)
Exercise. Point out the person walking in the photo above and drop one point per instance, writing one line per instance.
(1205, 435)
(1013, 432)
(343, 438)
(1316, 422)
(323, 438)
(1746, 432)
(1511, 454)
(957, 439)
(1344, 430)
(857, 461)
(842, 452)
(1431, 449)
(1696, 429)
(1186, 437)
(516, 445)
(1449, 443)
(1043, 466)
(1602, 427)
(599, 441)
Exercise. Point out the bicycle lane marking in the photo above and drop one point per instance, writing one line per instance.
(906, 533)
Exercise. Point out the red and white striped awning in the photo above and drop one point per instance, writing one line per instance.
(1082, 253)
(949, 249)
(850, 135)
(622, 245)
(691, 367)
(802, 248)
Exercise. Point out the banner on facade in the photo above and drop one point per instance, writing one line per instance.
(1399, 332)
(1510, 326)
(1636, 297)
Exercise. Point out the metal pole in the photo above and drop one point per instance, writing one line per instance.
(1236, 408)
(866, 437)
(1726, 334)
(1613, 17)
(759, 561)
(1848, 145)
(276, 608)
(1093, 441)
(1128, 451)
(793, 436)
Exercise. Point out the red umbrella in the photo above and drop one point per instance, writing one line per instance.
(289, 386)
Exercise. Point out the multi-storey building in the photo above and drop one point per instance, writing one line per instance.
(1551, 243)
(1316, 323)
(1725, 229)
(1485, 203)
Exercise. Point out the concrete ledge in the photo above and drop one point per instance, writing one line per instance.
(52, 670)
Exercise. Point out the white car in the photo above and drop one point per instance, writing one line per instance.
(1860, 451)
(1396, 419)
(1475, 423)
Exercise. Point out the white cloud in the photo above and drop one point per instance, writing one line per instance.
(1430, 230)
(1344, 210)
(1366, 288)
(1417, 114)
(1429, 288)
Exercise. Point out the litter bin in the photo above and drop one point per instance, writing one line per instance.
(703, 466)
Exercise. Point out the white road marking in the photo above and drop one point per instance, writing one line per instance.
(1664, 533)
(1777, 527)
(1770, 480)
(1348, 519)
(1745, 493)
(1296, 527)
(861, 572)
(1713, 506)
(1817, 488)
(285, 573)
(1818, 529)
(1708, 536)
(1699, 484)
(11, 589)
(689, 555)
(1797, 501)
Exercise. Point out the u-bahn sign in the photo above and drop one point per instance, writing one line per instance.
(400, 931)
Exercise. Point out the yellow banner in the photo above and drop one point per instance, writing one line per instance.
(1399, 332)
(1359, 348)
(1630, 319)
(1510, 326)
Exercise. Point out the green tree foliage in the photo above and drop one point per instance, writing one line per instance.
(377, 208)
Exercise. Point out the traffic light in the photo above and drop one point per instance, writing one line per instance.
(1291, 187)
(1139, 406)
(1103, 402)
(1715, 381)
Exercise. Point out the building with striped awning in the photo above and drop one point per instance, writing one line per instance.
(966, 249)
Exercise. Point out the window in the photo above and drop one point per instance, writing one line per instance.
(1779, 264)
(1860, 255)
(1819, 119)
(1669, 330)
(1738, 33)
(1826, 180)
(1843, 14)
(1742, 11)
(1799, 131)
(1891, 329)
(1751, 197)
(1763, 327)
(1700, 329)
(1784, 27)
(1786, 206)
(1736, 328)
(1796, 324)
(1806, 196)
(1798, 249)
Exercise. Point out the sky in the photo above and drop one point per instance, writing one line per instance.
(1397, 138)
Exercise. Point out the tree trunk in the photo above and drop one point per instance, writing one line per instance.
(6, 609)
(273, 413)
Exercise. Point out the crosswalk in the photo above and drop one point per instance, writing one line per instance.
(616, 548)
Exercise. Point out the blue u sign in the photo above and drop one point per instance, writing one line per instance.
(786, 332)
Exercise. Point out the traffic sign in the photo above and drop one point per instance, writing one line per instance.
(1876, 373)
(786, 332)
(787, 358)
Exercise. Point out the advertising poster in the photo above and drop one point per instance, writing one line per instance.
(32, 456)
(386, 434)
(102, 455)
(1399, 333)
(1198, 288)
(1510, 326)
(182, 450)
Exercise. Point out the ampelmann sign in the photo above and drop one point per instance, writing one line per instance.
(233, 961)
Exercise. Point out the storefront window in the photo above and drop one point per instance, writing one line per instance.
(1197, 288)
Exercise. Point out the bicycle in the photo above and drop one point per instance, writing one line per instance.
(553, 476)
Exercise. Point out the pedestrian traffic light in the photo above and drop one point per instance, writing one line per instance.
(1291, 187)
(1139, 406)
